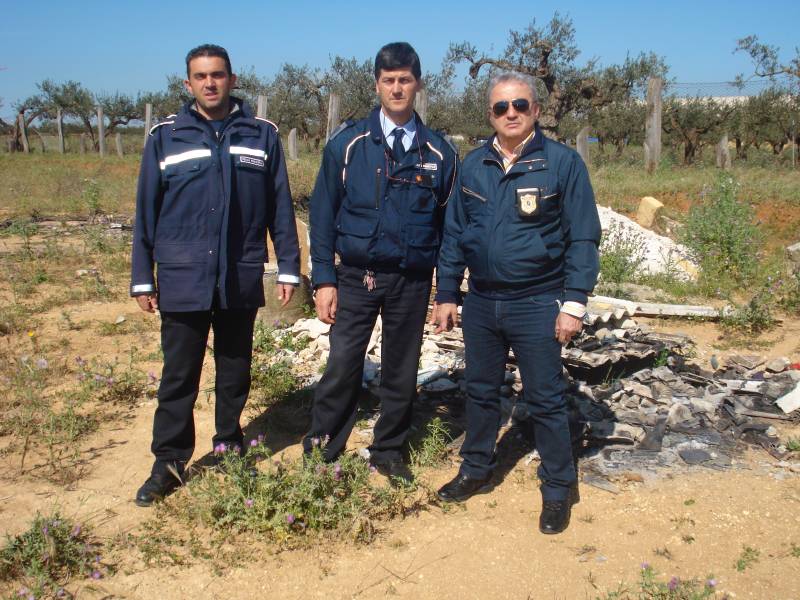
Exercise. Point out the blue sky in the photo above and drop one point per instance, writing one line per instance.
(133, 46)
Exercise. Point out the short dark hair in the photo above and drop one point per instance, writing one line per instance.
(395, 56)
(209, 50)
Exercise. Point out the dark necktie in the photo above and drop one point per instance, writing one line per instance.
(398, 151)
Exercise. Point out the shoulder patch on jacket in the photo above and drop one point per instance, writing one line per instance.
(166, 121)
(268, 121)
(341, 128)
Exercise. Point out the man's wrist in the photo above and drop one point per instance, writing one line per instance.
(574, 309)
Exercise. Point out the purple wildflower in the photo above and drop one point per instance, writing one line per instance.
(248, 503)
(673, 584)
(645, 566)
(97, 559)
(237, 448)
(220, 448)
(41, 363)
(22, 592)
(45, 529)
(97, 574)
(290, 518)
(337, 471)
(315, 442)
(152, 377)
(76, 531)
(110, 381)
(321, 469)
(712, 583)
(260, 438)
(80, 361)
(253, 443)
(373, 469)
(98, 377)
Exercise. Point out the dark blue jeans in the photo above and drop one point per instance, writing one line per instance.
(527, 326)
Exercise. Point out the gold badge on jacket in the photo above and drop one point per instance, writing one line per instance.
(528, 201)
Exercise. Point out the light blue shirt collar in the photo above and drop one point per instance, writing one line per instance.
(389, 126)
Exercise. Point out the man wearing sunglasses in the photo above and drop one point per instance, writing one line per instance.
(524, 220)
(379, 205)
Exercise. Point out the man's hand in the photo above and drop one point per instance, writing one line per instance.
(326, 300)
(566, 327)
(444, 316)
(285, 292)
(147, 302)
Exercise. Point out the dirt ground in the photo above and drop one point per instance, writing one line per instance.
(691, 523)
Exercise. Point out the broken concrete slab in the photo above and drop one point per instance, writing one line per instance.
(790, 402)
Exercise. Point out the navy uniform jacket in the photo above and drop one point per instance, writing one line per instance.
(203, 208)
(376, 213)
(551, 244)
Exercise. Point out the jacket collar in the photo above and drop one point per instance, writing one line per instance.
(376, 130)
(534, 145)
(189, 117)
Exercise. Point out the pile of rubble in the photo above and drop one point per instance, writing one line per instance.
(637, 403)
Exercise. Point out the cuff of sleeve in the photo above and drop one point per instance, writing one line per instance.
(141, 289)
(576, 309)
(322, 274)
(578, 296)
(448, 297)
(286, 278)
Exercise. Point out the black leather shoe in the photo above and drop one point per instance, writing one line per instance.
(556, 513)
(396, 471)
(463, 487)
(158, 486)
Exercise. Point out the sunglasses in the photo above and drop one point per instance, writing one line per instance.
(521, 105)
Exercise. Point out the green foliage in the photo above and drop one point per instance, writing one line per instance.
(793, 444)
(622, 252)
(754, 316)
(431, 449)
(91, 197)
(795, 550)
(288, 500)
(747, 558)
(53, 551)
(722, 237)
(271, 381)
(651, 588)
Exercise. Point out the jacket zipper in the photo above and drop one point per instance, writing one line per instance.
(466, 190)
(377, 188)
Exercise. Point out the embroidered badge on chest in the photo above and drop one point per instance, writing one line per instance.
(528, 201)
(251, 161)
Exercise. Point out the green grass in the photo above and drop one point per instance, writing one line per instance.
(650, 587)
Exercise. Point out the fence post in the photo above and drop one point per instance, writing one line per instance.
(60, 125)
(293, 144)
(723, 153)
(83, 143)
(148, 120)
(333, 115)
(421, 105)
(118, 140)
(582, 144)
(652, 125)
(23, 133)
(101, 131)
(261, 111)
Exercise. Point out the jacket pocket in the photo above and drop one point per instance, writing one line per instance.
(422, 245)
(524, 255)
(355, 237)
(180, 252)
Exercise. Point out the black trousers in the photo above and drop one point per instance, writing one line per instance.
(183, 339)
(402, 301)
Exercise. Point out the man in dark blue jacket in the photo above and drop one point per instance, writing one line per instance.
(378, 203)
(213, 181)
(524, 221)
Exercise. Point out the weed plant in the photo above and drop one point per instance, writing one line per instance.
(722, 237)
(622, 252)
(650, 587)
(289, 500)
(431, 449)
(51, 554)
